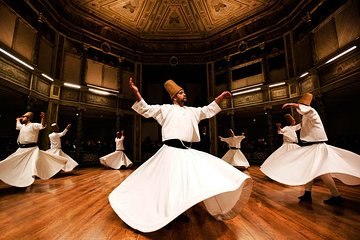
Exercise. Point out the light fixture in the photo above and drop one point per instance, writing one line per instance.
(341, 54)
(243, 88)
(276, 84)
(246, 91)
(72, 85)
(304, 74)
(16, 59)
(46, 76)
(102, 88)
(101, 92)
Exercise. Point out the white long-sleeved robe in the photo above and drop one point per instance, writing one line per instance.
(300, 166)
(234, 156)
(118, 158)
(20, 168)
(55, 148)
(175, 179)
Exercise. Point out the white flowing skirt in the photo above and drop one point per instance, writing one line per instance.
(270, 162)
(71, 163)
(236, 158)
(115, 160)
(300, 166)
(174, 180)
(20, 168)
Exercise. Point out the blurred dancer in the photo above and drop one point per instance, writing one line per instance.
(118, 158)
(315, 159)
(234, 156)
(55, 146)
(20, 168)
(290, 142)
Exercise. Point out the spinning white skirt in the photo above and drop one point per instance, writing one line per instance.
(20, 168)
(300, 166)
(115, 160)
(236, 158)
(174, 180)
(270, 162)
(71, 163)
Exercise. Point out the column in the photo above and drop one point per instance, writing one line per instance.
(270, 132)
(137, 118)
(84, 64)
(212, 131)
(41, 20)
(229, 76)
(51, 117)
(318, 101)
(264, 64)
(79, 134)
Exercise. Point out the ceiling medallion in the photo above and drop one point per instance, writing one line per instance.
(242, 47)
(173, 61)
(105, 47)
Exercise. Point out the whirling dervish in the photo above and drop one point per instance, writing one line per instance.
(234, 156)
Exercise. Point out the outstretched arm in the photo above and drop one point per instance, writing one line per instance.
(279, 130)
(42, 116)
(135, 89)
(287, 105)
(65, 130)
(222, 96)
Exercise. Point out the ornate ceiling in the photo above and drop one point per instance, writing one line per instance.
(158, 29)
(171, 19)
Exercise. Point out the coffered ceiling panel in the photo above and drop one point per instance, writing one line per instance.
(171, 19)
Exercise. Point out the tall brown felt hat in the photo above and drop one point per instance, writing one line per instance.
(306, 99)
(29, 115)
(289, 119)
(172, 88)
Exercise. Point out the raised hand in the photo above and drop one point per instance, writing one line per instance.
(220, 98)
(135, 89)
(133, 86)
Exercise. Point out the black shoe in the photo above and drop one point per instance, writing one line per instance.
(306, 197)
(334, 200)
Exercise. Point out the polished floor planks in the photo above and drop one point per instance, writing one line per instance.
(75, 206)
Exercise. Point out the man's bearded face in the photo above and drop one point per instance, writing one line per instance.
(25, 119)
(180, 97)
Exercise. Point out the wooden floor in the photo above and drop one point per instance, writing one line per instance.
(75, 206)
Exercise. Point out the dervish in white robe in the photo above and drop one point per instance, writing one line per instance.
(175, 179)
(118, 158)
(302, 165)
(20, 168)
(290, 142)
(55, 148)
(234, 156)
